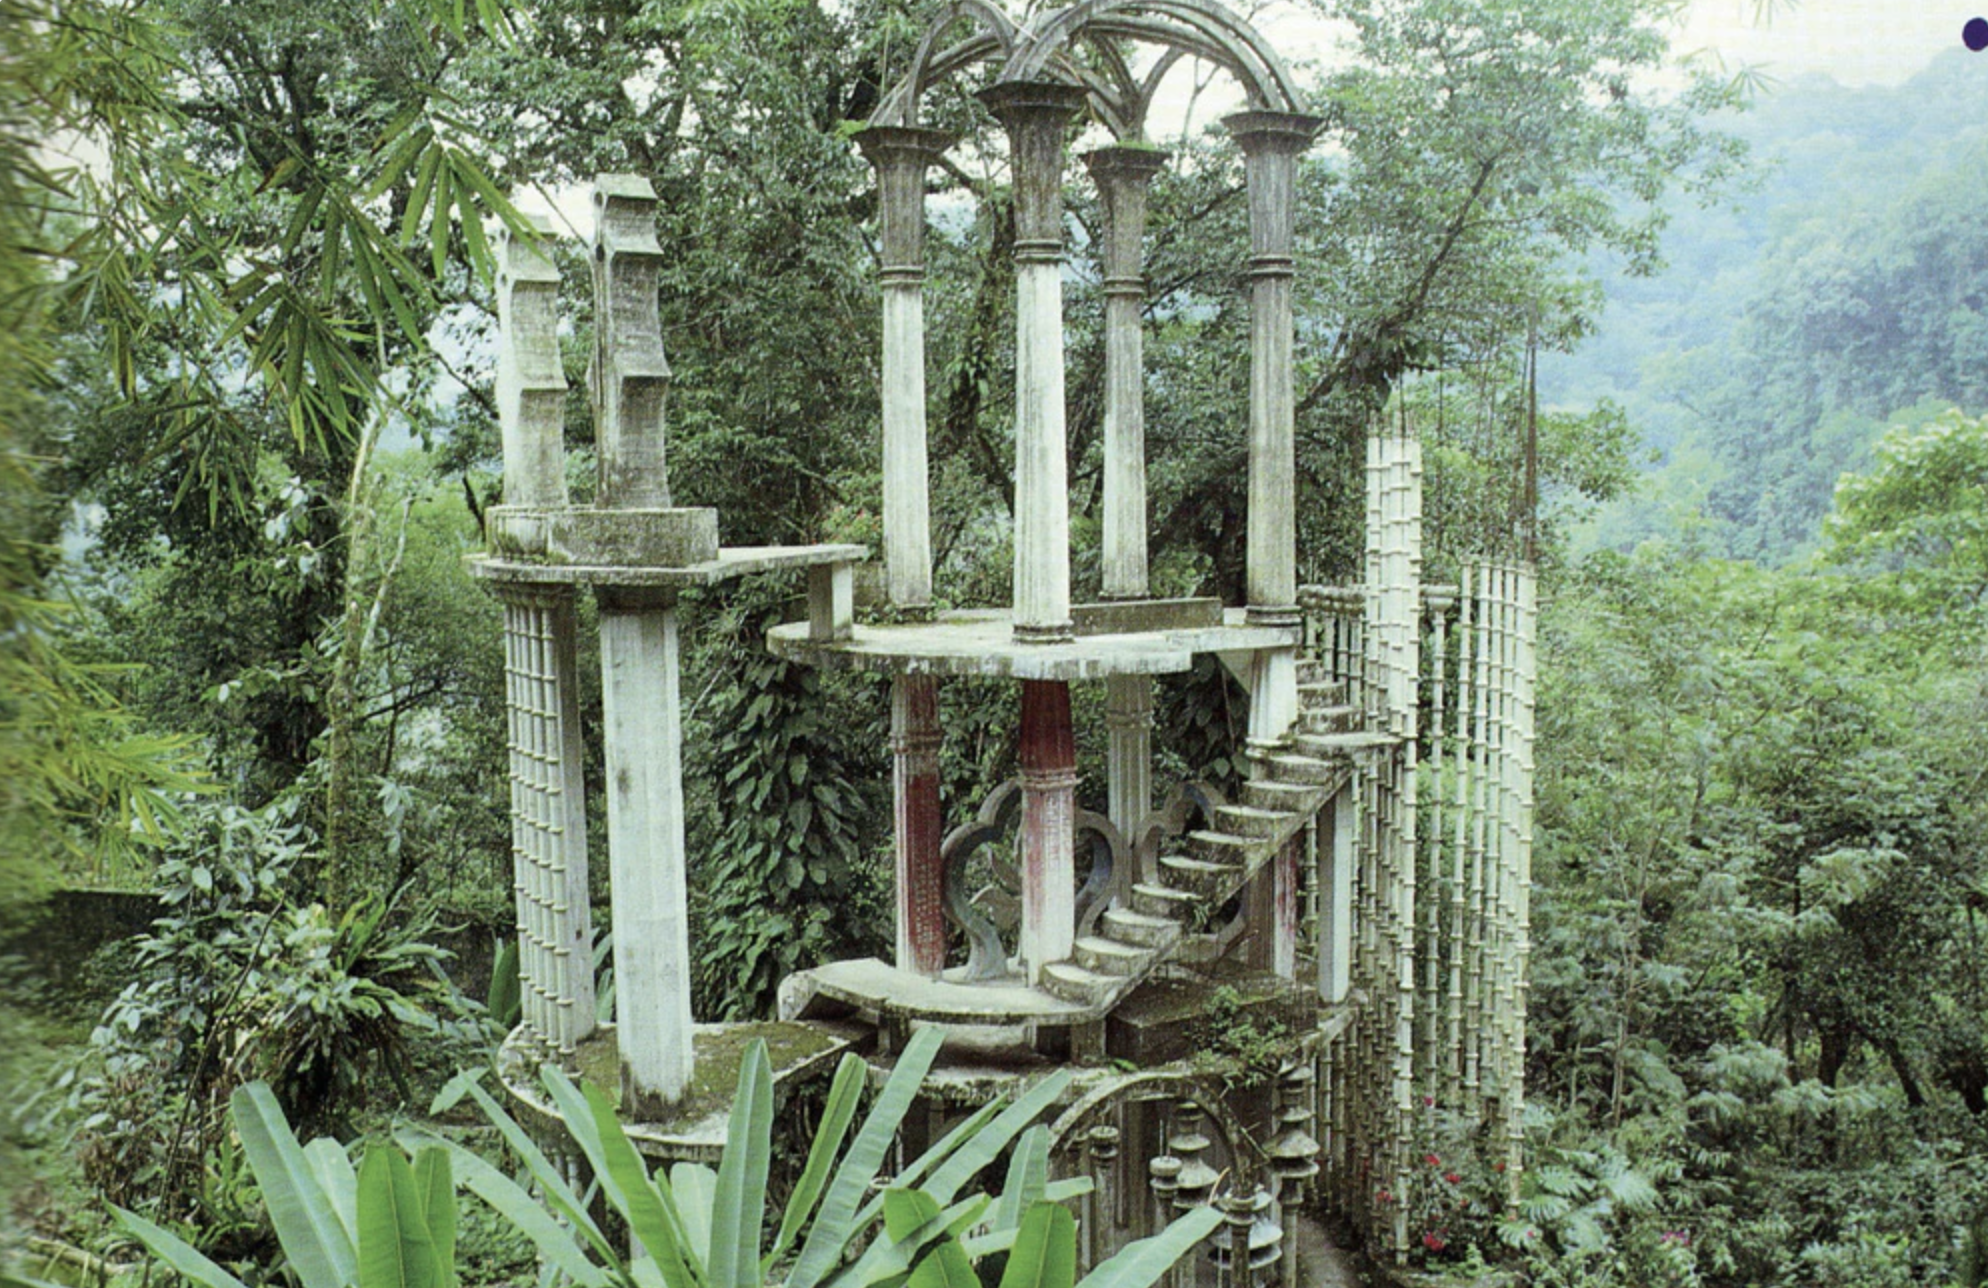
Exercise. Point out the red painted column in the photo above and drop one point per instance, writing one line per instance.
(914, 744)
(1049, 818)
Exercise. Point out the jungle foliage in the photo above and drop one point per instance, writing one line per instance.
(248, 437)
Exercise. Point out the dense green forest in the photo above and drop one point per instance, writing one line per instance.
(248, 433)
(1835, 295)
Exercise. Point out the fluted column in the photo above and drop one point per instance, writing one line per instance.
(1036, 116)
(1049, 817)
(1271, 143)
(900, 156)
(1122, 175)
(914, 730)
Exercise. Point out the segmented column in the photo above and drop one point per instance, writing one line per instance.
(901, 156)
(1036, 115)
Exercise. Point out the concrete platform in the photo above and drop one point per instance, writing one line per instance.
(982, 643)
(890, 994)
(697, 1132)
(733, 561)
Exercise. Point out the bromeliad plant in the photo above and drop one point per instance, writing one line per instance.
(391, 1224)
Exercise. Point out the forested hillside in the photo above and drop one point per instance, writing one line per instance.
(1842, 291)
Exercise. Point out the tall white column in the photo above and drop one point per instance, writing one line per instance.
(1036, 116)
(644, 742)
(1271, 142)
(1128, 723)
(1122, 175)
(900, 156)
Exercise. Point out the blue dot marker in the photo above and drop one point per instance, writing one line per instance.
(1975, 34)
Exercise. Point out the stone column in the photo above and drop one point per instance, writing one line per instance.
(900, 156)
(1036, 116)
(914, 732)
(644, 741)
(1049, 817)
(531, 380)
(630, 378)
(1122, 175)
(1271, 142)
(1128, 722)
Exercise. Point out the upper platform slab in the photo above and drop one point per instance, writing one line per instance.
(982, 643)
(733, 561)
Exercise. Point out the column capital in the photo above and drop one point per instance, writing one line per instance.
(1133, 161)
(1036, 115)
(1288, 133)
(885, 145)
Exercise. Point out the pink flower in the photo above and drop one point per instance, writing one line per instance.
(1452, 1177)
(1433, 1242)
(1432, 1160)
(1384, 1197)
(1428, 1102)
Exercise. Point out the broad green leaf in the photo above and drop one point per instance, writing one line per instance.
(176, 1252)
(739, 1206)
(394, 1248)
(945, 1266)
(844, 1093)
(1140, 1264)
(436, 1184)
(624, 1178)
(557, 1245)
(1028, 1174)
(335, 1177)
(906, 1210)
(834, 1227)
(305, 1217)
(1045, 1251)
(986, 1146)
(695, 1186)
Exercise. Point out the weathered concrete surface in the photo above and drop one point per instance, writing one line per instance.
(732, 561)
(979, 643)
(654, 538)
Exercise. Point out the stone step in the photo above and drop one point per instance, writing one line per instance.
(1131, 927)
(1164, 901)
(1211, 846)
(1320, 692)
(1329, 719)
(1210, 881)
(1073, 983)
(1326, 746)
(1290, 798)
(1303, 769)
(1109, 957)
(1311, 671)
(1253, 821)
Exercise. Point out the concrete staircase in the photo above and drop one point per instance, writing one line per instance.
(1215, 863)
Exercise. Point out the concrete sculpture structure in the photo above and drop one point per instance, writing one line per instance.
(1366, 895)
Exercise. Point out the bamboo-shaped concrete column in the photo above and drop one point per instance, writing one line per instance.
(1036, 115)
(1123, 174)
(901, 155)
(639, 665)
(548, 818)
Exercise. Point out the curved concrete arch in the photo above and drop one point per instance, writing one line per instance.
(997, 33)
(1216, 33)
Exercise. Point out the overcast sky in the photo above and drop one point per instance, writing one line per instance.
(1856, 42)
